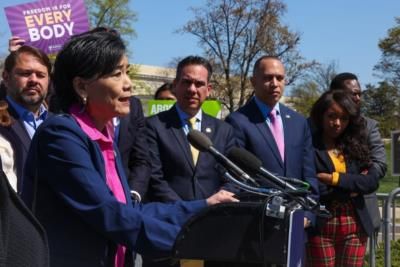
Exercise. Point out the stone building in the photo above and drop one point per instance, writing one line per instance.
(146, 79)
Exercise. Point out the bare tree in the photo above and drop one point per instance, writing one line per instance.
(322, 75)
(234, 33)
(309, 88)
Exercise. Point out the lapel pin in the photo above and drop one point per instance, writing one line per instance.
(287, 116)
(208, 130)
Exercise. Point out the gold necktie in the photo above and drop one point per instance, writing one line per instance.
(195, 152)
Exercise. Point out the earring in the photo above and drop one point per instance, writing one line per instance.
(84, 102)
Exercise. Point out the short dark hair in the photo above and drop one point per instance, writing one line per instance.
(353, 141)
(337, 82)
(194, 60)
(163, 88)
(12, 58)
(89, 55)
(258, 62)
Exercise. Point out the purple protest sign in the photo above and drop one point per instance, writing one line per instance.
(47, 24)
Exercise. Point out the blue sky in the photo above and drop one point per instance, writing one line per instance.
(346, 31)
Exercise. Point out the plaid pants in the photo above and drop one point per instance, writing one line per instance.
(341, 242)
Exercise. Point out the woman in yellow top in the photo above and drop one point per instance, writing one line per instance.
(345, 174)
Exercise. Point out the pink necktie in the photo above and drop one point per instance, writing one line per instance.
(277, 132)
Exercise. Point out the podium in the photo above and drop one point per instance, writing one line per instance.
(243, 234)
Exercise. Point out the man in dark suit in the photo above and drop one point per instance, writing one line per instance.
(130, 134)
(282, 142)
(26, 77)
(349, 82)
(177, 173)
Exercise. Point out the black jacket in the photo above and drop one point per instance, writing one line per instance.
(23, 241)
(349, 182)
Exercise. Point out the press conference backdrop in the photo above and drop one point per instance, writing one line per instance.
(395, 153)
(211, 107)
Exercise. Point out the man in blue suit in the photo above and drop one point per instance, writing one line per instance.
(176, 174)
(290, 152)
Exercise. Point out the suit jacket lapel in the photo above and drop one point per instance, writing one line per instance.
(19, 129)
(288, 128)
(262, 126)
(122, 176)
(123, 129)
(178, 133)
(323, 161)
(207, 128)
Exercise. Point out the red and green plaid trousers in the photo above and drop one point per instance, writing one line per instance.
(341, 242)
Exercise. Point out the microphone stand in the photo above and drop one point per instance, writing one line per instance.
(245, 187)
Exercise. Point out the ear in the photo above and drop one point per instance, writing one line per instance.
(209, 89)
(5, 75)
(253, 81)
(80, 87)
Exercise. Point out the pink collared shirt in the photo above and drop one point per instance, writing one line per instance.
(105, 141)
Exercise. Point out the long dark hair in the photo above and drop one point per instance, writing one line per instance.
(89, 55)
(353, 141)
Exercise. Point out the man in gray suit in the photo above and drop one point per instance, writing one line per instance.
(349, 82)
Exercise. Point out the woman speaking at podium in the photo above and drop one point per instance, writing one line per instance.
(75, 182)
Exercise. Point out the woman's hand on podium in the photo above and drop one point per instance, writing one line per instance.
(221, 197)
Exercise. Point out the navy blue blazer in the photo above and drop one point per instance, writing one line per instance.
(174, 176)
(350, 182)
(253, 134)
(20, 140)
(132, 145)
(83, 220)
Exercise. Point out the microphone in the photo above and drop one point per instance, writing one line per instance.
(253, 165)
(202, 143)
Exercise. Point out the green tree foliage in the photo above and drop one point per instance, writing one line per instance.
(382, 103)
(303, 97)
(115, 14)
(234, 33)
(389, 65)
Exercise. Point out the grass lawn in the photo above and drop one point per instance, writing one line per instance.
(389, 182)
